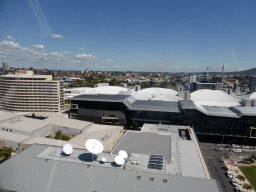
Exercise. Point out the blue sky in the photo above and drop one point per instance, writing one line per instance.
(121, 35)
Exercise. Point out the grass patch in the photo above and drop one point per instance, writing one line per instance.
(250, 174)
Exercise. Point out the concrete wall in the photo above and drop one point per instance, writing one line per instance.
(2, 144)
(13, 144)
(42, 131)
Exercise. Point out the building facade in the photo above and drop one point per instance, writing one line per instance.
(5, 65)
(26, 92)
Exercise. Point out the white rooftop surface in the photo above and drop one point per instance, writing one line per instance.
(166, 98)
(62, 113)
(5, 115)
(208, 97)
(159, 91)
(110, 90)
(12, 136)
(191, 163)
(253, 95)
(47, 141)
(70, 123)
(25, 124)
(98, 127)
(96, 134)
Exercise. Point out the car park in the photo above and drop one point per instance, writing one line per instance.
(219, 149)
(235, 146)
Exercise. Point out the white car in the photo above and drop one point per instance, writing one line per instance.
(229, 175)
(237, 150)
(245, 147)
(234, 183)
(235, 146)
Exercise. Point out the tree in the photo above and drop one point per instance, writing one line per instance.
(6, 152)
(60, 136)
(113, 122)
(246, 186)
(104, 121)
(241, 177)
(33, 115)
(226, 156)
(135, 125)
(125, 127)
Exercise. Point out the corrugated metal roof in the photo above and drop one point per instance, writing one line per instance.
(220, 111)
(161, 106)
(26, 172)
(5, 135)
(247, 111)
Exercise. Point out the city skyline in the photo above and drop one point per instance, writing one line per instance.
(165, 36)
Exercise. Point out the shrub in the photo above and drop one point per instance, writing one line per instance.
(226, 156)
(254, 156)
(241, 177)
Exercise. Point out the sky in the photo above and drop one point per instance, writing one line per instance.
(129, 35)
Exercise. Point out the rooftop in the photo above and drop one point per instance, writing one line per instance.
(6, 135)
(4, 115)
(57, 174)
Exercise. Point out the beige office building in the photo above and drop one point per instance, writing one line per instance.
(26, 92)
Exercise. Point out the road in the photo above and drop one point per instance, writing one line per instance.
(218, 168)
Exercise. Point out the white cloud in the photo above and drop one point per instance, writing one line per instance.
(81, 48)
(66, 52)
(58, 37)
(10, 45)
(9, 37)
(176, 67)
(39, 47)
(55, 54)
(84, 56)
(116, 66)
(78, 61)
(44, 54)
(109, 60)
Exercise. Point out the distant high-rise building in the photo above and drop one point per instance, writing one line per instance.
(252, 84)
(5, 65)
(82, 72)
(87, 70)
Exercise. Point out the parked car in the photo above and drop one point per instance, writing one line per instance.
(229, 175)
(227, 146)
(237, 150)
(236, 189)
(235, 146)
(245, 147)
(234, 183)
(219, 149)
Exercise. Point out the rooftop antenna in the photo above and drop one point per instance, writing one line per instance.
(94, 146)
(68, 149)
(222, 76)
(119, 160)
(123, 154)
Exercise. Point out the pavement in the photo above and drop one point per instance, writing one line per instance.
(217, 167)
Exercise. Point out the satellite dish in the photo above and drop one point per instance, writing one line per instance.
(119, 160)
(123, 154)
(94, 146)
(68, 149)
(104, 159)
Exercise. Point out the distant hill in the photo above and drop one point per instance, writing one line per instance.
(246, 72)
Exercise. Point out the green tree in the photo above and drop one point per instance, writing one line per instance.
(135, 125)
(246, 186)
(33, 115)
(226, 156)
(104, 121)
(241, 177)
(58, 135)
(6, 152)
(125, 127)
(113, 122)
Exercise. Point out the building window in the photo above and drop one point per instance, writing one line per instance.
(151, 179)
(165, 181)
(16, 149)
(10, 130)
(6, 129)
(138, 177)
(3, 128)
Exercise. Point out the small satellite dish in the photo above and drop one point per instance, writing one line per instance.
(123, 154)
(94, 146)
(119, 160)
(68, 149)
(104, 159)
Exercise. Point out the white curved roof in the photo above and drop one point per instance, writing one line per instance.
(166, 98)
(209, 97)
(110, 90)
(158, 91)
